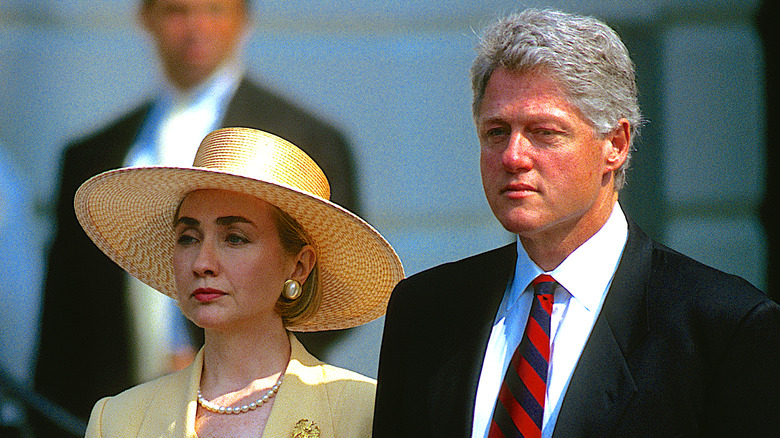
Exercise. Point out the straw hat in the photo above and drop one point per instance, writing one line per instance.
(129, 214)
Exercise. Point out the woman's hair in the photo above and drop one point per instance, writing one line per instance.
(293, 238)
(585, 55)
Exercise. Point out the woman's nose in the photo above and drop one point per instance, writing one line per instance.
(206, 263)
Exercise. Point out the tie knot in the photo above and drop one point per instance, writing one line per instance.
(544, 284)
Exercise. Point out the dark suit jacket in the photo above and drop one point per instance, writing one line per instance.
(679, 349)
(84, 345)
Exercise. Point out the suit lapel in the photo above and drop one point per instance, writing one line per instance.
(602, 384)
(477, 290)
(239, 109)
(255, 107)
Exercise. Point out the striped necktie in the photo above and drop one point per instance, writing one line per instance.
(520, 406)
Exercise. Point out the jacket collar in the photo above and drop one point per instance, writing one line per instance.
(595, 397)
(300, 398)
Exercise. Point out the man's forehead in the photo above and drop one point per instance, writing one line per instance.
(508, 87)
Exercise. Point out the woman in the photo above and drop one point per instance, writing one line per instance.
(249, 246)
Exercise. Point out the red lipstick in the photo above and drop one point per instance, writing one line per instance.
(207, 294)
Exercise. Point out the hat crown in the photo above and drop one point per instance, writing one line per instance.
(261, 156)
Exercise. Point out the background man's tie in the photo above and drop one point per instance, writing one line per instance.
(520, 406)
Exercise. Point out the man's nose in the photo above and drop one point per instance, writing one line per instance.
(516, 156)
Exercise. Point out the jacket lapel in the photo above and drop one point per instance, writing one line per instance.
(602, 384)
(303, 397)
(171, 412)
(477, 288)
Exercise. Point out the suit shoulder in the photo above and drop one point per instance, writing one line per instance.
(125, 127)
(253, 91)
(253, 95)
(122, 414)
(101, 150)
(679, 280)
(345, 397)
(139, 396)
(332, 373)
(682, 270)
(477, 279)
(310, 369)
(456, 271)
(348, 388)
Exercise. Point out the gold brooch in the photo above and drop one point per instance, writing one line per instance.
(306, 429)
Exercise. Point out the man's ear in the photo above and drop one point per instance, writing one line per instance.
(618, 145)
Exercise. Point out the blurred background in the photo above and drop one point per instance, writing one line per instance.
(394, 76)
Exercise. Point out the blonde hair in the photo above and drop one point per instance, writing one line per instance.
(293, 238)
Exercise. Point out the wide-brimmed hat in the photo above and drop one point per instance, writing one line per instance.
(129, 214)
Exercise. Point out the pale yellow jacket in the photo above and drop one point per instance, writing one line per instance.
(339, 402)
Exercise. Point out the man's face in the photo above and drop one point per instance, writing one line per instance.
(194, 36)
(547, 175)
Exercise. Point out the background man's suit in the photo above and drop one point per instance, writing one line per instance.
(679, 349)
(85, 336)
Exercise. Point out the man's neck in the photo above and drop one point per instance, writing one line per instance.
(549, 248)
(184, 87)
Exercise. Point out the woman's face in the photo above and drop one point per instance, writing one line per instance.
(228, 261)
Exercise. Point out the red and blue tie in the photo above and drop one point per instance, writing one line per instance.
(520, 406)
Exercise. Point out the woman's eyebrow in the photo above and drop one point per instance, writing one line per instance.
(184, 220)
(229, 220)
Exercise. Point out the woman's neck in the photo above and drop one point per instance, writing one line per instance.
(237, 360)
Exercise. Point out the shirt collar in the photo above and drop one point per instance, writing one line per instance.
(586, 273)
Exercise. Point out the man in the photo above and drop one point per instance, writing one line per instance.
(585, 326)
(92, 336)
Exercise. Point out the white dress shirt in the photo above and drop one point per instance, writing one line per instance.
(583, 280)
(170, 136)
(179, 120)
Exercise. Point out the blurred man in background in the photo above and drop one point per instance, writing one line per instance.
(101, 331)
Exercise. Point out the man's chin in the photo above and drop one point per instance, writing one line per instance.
(523, 227)
(519, 220)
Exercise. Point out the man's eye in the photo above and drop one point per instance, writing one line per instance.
(546, 132)
(216, 9)
(496, 132)
(174, 11)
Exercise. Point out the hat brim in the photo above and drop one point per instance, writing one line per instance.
(129, 214)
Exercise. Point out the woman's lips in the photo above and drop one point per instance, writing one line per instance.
(205, 295)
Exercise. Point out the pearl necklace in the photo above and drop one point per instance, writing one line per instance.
(213, 407)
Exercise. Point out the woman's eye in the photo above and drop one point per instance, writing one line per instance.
(235, 239)
(185, 239)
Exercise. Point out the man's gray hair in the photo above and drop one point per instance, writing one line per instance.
(582, 53)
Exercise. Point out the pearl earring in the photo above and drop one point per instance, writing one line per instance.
(292, 290)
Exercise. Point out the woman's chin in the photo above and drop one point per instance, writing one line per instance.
(208, 319)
